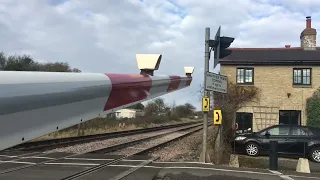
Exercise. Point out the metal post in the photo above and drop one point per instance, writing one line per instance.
(221, 136)
(205, 94)
(216, 61)
(273, 158)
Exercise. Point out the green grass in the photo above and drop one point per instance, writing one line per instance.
(107, 127)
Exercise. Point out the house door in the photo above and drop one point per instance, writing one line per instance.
(290, 117)
(244, 121)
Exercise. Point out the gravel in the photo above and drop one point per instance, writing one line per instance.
(185, 149)
(150, 143)
(99, 144)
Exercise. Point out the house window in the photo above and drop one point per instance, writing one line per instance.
(302, 76)
(245, 76)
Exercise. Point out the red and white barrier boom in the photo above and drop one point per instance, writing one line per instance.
(33, 104)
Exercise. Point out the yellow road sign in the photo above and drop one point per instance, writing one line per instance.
(205, 104)
(217, 117)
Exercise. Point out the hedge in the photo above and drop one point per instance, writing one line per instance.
(313, 109)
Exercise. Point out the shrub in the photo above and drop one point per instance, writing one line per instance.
(313, 109)
(236, 97)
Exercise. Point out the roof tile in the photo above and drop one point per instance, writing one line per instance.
(271, 56)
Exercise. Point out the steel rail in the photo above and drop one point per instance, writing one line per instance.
(61, 142)
(117, 147)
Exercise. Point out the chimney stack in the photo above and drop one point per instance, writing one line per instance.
(308, 22)
(287, 46)
(308, 36)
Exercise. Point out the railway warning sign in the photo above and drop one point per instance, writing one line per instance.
(216, 82)
(217, 117)
(205, 104)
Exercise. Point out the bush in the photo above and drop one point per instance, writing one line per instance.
(230, 103)
(174, 117)
(236, 97)
(140, 122)
(313, 109)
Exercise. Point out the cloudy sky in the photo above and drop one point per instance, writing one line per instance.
(105, 35)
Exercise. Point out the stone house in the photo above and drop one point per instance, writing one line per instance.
(286, 76)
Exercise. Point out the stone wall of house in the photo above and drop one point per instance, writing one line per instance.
(275, 83)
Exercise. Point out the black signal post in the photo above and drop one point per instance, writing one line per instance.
(219, 45)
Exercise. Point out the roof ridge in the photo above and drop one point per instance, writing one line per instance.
(280, 48)
(275, 56)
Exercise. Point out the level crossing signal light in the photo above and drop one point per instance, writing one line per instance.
(220, 45)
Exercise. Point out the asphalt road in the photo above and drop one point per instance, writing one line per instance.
(285, 164)
(194, 171)
(57, 169)
(229, 174)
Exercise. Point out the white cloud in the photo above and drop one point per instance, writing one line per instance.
(105, 35)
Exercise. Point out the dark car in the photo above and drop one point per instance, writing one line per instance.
(293, 140)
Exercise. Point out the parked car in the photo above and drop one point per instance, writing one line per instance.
(293, 140)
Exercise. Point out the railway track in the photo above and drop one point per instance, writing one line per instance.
(141, 149)
(62, 142)
(124, 150)
(139, 141)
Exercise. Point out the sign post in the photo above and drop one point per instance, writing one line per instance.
(220, 84)
(213, 82)
(203, 155)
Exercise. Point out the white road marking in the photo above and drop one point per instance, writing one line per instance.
(8, 156)
(286, 177)
(17, 157)
(184, 162)
(17, 162)
(89, 159)
(37, 157)
(281, 175)
(133, 160)
(74, 164)
(120, 176)
(275, 172)
(92, 159)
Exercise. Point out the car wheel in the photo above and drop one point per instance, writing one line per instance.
(315, 154)
(252, 149)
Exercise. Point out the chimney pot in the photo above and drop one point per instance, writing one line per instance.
(308, 22)
(287, 46)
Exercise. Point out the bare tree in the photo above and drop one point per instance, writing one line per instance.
(235, 98)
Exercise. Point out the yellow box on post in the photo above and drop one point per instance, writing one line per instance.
(217, 117)
(205, 104)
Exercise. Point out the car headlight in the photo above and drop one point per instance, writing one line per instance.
(240, 138)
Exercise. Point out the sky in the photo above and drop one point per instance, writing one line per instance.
(103, 36)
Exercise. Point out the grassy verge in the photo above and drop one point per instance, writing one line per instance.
(106, 125)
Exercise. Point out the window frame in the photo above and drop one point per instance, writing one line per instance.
(301, 80)
(244, 75)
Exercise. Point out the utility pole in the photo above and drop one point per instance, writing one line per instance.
(216, 46)
(219, 44)
(215, 63)
(205, 95)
